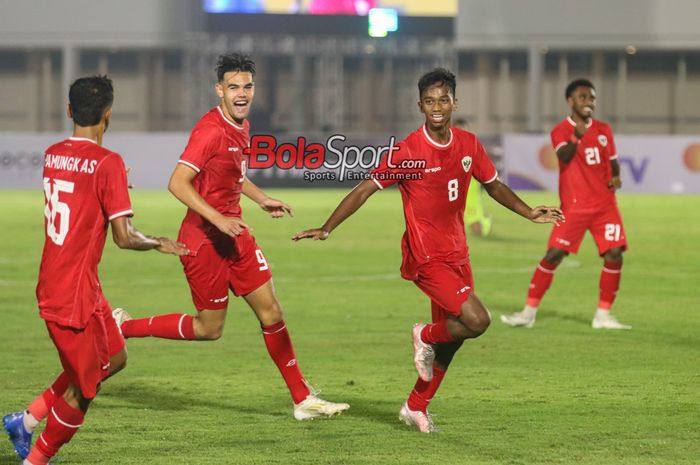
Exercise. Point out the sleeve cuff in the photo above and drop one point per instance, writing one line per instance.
(191, 165)
(495, 176)
(122, 213)
(379, 185)
(560, 145)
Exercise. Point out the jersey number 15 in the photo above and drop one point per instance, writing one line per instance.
(55, 207)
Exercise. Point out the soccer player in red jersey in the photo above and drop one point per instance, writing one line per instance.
(433, 167)
(589, 175)
(209, 179)
(85, 186)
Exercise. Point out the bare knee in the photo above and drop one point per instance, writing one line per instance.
(118, 362)
(478, 322)
(473, 322)
(555, 256)
(614, 255)
(208, 331)
(270, 314)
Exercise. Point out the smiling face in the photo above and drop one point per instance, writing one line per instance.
(437, 104)
(582, 102)
(236, 91)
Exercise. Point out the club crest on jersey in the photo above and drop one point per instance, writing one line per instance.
(467, 163)
(603, 140)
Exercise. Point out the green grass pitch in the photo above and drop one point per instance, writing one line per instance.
(559, 393)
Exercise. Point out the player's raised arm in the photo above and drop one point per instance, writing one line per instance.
(509, 199)
(180, 186)
(276, 208)
(349, 205)
(126, 236)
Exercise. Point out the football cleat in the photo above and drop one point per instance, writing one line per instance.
(315, 407)
(120, 316)
(604, 320)
(21, 439)
(423, 354)
(524, 318)
(422, 421)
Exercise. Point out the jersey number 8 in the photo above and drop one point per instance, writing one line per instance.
(452, 190)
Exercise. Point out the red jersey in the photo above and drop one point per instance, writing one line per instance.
(85, 188)
(216, 152)
(583, 182)
(435, 195)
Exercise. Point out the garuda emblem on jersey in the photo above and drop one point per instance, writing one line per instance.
(467, 163)
(603, 140)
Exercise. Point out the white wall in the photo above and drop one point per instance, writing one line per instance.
(578, 24)
(89, 22)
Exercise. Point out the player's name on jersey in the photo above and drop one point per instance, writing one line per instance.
(76, 164)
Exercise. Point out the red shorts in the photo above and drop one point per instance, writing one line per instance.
(447, 285)
(85, 352)
(237, 264)
(605, 225)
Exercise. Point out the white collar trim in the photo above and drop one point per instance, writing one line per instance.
(573, 123)
(82, 139)
(436, 144)
(228, 120)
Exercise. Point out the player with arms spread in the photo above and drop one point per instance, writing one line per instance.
(589, 175)
(85, 186)
(434, 247)
(209, 179)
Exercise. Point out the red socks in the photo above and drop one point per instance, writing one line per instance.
(62, 424)
(172, 326)
(436, 333)
(423, 392)
(541, 280)
(609, 283)
(40, 407)
(279, 346)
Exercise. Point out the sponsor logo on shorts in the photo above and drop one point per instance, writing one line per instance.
(218, 301)
(463, 290)
(563, 241)
(233, 149)
(292, 362)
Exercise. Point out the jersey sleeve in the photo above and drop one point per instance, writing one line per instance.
(612, 149)
(389, 172)
(200, 148)
(112, 187)
(484, 169)
(560, 137)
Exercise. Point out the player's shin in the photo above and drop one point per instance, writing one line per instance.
(609, 283)
(63, 422)
(279, 346)
(172, 326)
(541, 280)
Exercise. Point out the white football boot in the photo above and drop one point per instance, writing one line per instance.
(120, 316)
(604, 320)
(422, 421)
(315, 407)
(423, 354)
(525, 318)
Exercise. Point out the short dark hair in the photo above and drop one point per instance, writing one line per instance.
(440, 76)
(235, 61)
(575, 84)
(89, 98)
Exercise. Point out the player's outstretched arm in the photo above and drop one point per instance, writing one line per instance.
(349, 205)
(509, 199)
(181, 187)
(276, 208)
(126, 236)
